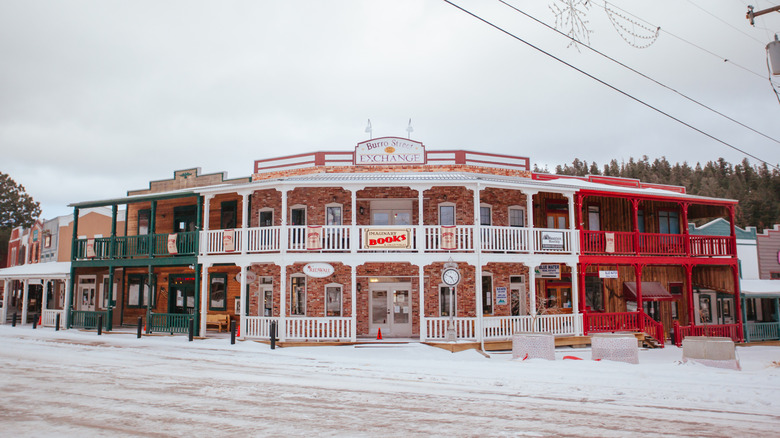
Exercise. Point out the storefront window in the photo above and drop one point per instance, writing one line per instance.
(218, 292)
(333, 300)
(298, 296)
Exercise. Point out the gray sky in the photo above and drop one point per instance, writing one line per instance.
(100, 97)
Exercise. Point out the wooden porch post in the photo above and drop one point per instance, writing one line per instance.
(635, 219)
(478, 264)
(112, 242)
(578, 219)
(532, 287)
(686, 237)
(25, 286)
(737, 301)
(353, 304)
(353, 232)
(744, 317)
(581, 279)
(689, 293)
(204, 242)
(529, 206)
(282, 329)
(152, 231)
(639, 307)
(204, 295)
(244, 231)
(242, 298)
(110, 299)
(6, 293)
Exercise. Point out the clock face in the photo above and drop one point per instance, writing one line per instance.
(451, 276)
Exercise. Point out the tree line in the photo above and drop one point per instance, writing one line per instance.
(757, 188)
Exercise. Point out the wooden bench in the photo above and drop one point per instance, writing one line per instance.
(219, 321)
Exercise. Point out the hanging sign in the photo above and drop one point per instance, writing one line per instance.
(319, 270)
(448, 241)
(172, 249)
(91, 248)
(609, 243)
(608, 274)
(228, 240)
(313, 238)
(552, 240)
(501, 296)
(548, 270)
(250, 277)
(389, 151)
(387, 238)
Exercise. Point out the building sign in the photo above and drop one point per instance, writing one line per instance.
(313, 237)
(389, 151)
(609, 243)
(172, 249)
(228, 240)
(91, 248)
(387, 238)
(608, 274)
(501, 295)
(548, 270)
(319, 270)
(251, 277)
(448, 241)
(552, 240)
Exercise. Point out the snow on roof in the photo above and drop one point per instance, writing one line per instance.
(754, 288)
(36, 271)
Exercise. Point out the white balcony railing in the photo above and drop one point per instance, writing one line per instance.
(503, 327)
(340, 238)
(324, 328)
(465, 328)
(259, 326)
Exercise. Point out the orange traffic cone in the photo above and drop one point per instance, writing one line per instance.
(379, 334)
(40, 320)
(238, 330)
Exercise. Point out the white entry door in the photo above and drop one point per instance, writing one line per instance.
(86, 297)
(391, 310)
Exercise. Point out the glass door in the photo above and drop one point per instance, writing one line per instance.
(380, 312)
(558, 298)
(181, 298)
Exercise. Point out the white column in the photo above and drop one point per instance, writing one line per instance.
(421, 287)
(529, 211)
(204, 297)
(282, 302)
(353, 231)
(421, 240)
(204, 234)
(284, 244)
(575, 299)
(242, 298)
(244, 229)
(353, 309)
(24, 301)
(572, 225)
(478, 265)
(6, 293)
(66, 304)
(532, 288)
(45, 296)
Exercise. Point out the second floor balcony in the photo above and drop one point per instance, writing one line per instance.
(142, 246)
(655, 244)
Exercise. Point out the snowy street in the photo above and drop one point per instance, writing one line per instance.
(73, 383)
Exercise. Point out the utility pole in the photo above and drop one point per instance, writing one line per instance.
(751, 14)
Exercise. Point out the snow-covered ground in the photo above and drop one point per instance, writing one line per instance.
(73, 383)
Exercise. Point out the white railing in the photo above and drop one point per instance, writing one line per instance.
(509, 239)
(339, 238)
(503, 327)
(259, 326)
(552, 240)
(465, 328)
(49, 317)
(264, 239)
(324, 328)
(215, 242)
(463, 239)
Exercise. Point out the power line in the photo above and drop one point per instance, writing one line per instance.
(639, 73)
(722, 58)
(725, 22)
(636, 99)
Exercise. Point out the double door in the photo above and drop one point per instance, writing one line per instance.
(391, 309)
(182, 295)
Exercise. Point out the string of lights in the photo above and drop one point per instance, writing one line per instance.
(634, 98)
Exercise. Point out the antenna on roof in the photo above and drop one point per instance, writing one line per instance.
(370, 130)
(409, 129)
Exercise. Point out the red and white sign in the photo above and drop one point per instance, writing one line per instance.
(172, 249)
(228, 240)
(609, 243)
(389, 151)
(387, 238)
(91, 248)
(318, 270)
(448, 241)
(313, 237)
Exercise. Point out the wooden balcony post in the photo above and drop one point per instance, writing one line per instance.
(581, 290)
(112, 243)
(639, 307)
(687, 238)
(737, 301)
(152, 230)
(204, 297)
(733, 243)
(635, 219)
(689, 292)
(74, 239)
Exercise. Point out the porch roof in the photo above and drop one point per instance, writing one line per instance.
(42, 271)
(651, 291)
(760, 288)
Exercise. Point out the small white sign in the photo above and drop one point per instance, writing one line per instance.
(501, 295)
(319, 270)
(552, 240)
(548, 270)
(608, 274)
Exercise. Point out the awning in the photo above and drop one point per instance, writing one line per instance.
(651, 291)
(37, 271)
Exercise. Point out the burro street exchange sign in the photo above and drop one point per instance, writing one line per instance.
(389, 151)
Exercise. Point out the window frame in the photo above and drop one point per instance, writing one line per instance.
(260, 216)
(144, 214)
(340, 288)
(334, 205)
(299, 310)
(489, 209)
(226, 207)
(439, 208)
(513, 208)
(298, 207)
(213, 276)
(489, 296)
(144, 291)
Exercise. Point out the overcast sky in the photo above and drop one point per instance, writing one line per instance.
(100, 97)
